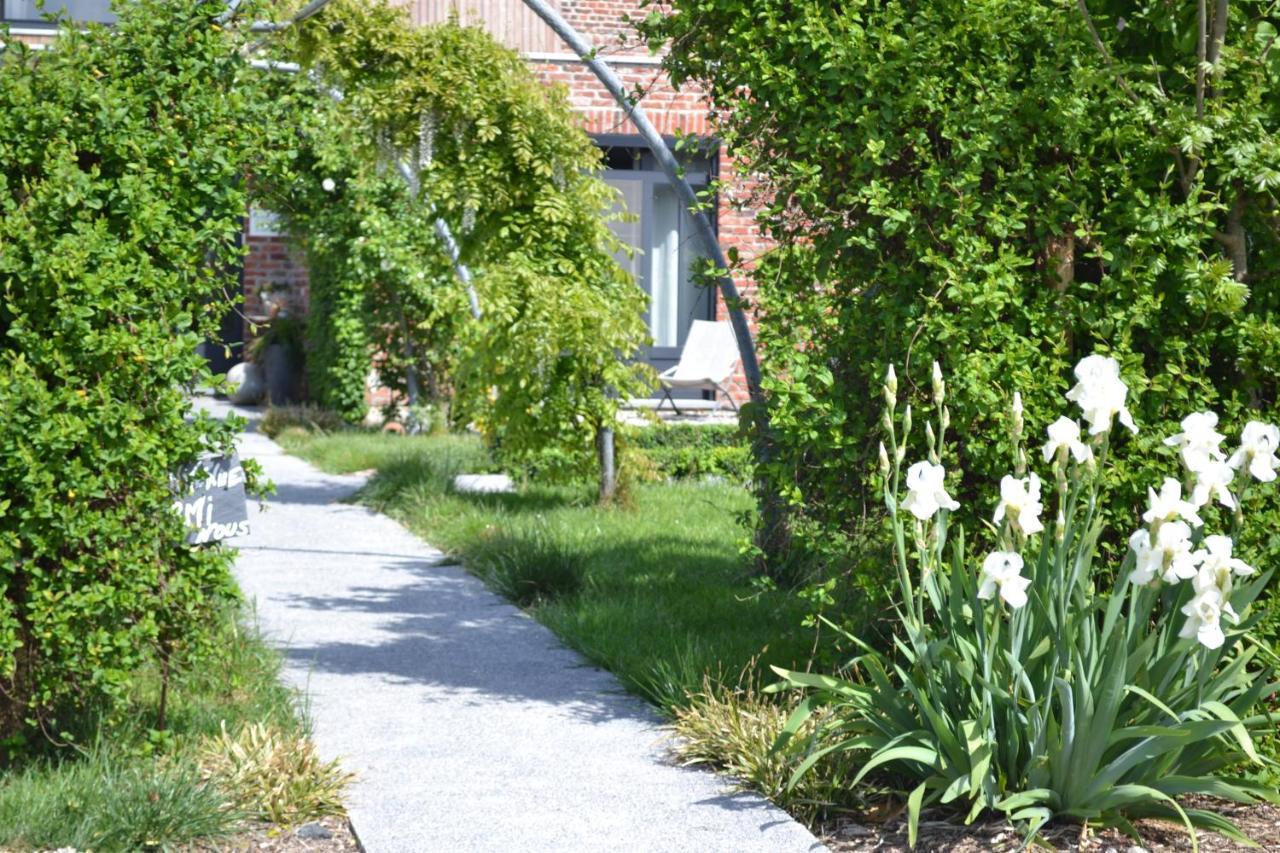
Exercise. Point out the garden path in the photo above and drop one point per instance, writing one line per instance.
(469, 726)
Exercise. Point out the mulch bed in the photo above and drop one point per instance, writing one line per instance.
(327, 835)
(845, 835)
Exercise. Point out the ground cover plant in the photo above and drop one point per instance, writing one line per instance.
(122, 153)
(1038, 677)
(133, 787)
(658, 593)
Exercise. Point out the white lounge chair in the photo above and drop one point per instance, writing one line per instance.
(706, 363)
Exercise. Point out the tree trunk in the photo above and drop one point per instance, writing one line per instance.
(608, 468)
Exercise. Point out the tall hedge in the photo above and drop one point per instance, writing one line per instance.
(1004, 187)
(121, 154)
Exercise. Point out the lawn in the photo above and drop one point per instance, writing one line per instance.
(656, 591)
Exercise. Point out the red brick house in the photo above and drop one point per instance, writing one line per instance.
(275, 271)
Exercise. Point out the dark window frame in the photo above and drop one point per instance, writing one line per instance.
(104, 15)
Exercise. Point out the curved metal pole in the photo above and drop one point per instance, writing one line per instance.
(657, 145)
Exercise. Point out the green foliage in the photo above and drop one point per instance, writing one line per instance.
(687, 450)
(500, 158)
(665, 597)
(1068, 692)
(736, 730)
(121, 160)
(982, 185)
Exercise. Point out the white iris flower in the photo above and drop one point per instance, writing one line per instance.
(1002, 572)
(927, 491)
(1020, 502)
(1101, 394)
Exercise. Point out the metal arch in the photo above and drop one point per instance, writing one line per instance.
(666, 159)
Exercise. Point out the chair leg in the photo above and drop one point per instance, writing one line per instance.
(727, 396)
(667, 397)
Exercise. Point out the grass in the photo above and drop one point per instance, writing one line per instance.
(656, 592)
(134, 788)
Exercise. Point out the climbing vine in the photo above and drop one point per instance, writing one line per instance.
(442, 122)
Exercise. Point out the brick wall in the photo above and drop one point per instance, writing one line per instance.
(275, 273)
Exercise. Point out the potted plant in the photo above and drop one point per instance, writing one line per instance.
(279, 351)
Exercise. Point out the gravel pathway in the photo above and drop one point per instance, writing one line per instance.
(467, 723)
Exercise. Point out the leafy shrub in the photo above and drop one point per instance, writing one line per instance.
(983, 185)
(274, 776)
(121, 160)
(532, 565)
(1090, 688)
(306, 417)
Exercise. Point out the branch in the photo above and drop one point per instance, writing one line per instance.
(1219, 32)
(1202, 14)
(1106, 54)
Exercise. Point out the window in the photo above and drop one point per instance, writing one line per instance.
(667, 246)
(29, 12)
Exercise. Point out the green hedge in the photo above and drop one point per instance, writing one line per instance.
(681, 451)
(121, 159)
(982, 185)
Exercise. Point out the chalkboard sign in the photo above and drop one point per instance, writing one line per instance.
(210, 499)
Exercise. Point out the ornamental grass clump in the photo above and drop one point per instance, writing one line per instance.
(1041, 677)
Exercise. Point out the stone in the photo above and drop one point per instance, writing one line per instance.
(313, 832)
(483, 484)
(247, 384)
(854, 830)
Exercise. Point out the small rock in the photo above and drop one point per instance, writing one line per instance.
(854, 830)
(313, 831)
(483, 484)
(1136, 849)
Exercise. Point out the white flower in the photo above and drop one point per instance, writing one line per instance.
(1172, 549)
(1218, 568)
(1204, 613)
(1258, 444)
(1199, 441)
(1064, 434)
(1020, 501)
(1101, 394)
(1217, 554)
(1212, 482)
(926, 491)
(1148, 562)
(329, 185)
(1002, 570)
(1168, 505)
